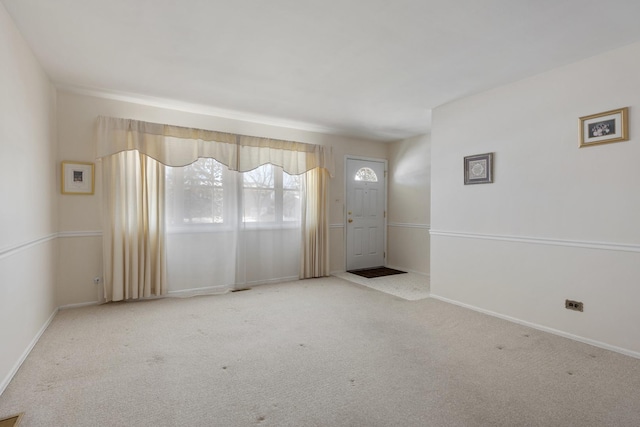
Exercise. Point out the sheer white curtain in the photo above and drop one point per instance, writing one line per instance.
(233, 208)
(230, 229)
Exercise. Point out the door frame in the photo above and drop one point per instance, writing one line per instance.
(344, 205)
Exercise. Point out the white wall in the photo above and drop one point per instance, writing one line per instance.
(560, 221)
(27, 198)
(80, 215)
(409, 201)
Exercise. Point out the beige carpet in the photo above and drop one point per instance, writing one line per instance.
(318, 352)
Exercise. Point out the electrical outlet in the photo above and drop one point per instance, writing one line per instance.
(573, 305)
(97, 280)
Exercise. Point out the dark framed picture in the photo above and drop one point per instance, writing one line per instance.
(77, 178)
(478, 169)
(603, 128)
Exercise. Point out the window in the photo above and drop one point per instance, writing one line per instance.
(291, 198)
(195, 193)
(206, 192)
(270, 195)
(366, 174)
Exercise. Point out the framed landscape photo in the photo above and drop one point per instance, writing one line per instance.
(603, 128)
(478, 169)
(77, 178)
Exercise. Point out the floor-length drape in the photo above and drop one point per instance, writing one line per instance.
(134, 238)
(314, 256)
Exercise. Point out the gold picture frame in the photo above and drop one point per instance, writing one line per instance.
(77, 178)
(604, 128)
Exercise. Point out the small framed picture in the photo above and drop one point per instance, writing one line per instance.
(478, 169)
(77, 178)
(603, 128)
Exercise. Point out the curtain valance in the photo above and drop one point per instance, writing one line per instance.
(181, 146)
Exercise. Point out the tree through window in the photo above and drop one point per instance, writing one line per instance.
(270, 195)
(197, 192)
(207, 192)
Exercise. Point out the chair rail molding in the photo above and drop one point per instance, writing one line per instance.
(90, 233)
(15, 249)
(408, 225)
(607, 246)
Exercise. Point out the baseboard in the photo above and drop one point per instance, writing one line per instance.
(269, 282)
(78, 305)
(5, 382)
(199, 291)
(563, 334)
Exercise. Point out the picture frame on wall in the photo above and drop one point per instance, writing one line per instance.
(478, 169)
(604, 128)
(77, 178)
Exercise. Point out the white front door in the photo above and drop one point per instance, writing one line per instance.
(365, 182)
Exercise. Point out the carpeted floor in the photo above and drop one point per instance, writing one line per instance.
(320, 352)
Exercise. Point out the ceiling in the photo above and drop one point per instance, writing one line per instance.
(368, 68)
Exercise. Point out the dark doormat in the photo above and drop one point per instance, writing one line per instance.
(370, 273)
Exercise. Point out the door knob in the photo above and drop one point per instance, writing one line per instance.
(350, 220)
